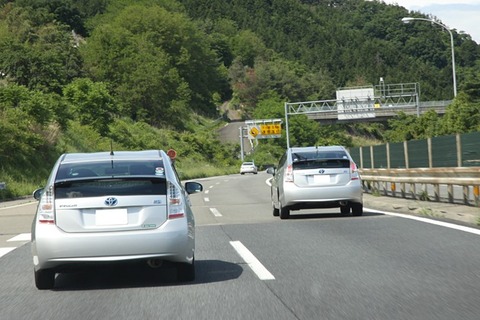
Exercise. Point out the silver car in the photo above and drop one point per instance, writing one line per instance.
(316, 177)
(248, 167)
(110, 207)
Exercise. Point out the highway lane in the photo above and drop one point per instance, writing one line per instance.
(15, 222)
(324, 266)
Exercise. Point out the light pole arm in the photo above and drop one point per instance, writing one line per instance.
(409, 19)
(453, 65)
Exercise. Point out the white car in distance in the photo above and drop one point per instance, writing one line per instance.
(248, 167)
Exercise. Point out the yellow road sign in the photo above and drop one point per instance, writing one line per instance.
(254, 132)
(270, 129)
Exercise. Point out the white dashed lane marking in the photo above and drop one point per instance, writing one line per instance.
(215, 212)
(23, 237)
(254, 264)
(4, 251)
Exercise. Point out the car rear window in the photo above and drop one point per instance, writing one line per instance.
(102, 178)
(105, 187)
(320, 159)
(82, 170)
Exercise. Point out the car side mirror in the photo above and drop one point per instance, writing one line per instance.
(271, 170)
(193, 187)
(37, 194)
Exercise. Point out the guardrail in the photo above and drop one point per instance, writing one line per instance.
(386, 180)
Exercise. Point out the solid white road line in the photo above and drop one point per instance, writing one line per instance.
(435, 222)
(4, 251)
(256, 266)
(18, 205)
(21, 237)
(215, 212)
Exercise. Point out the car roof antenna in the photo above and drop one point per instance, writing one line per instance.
(111, 147)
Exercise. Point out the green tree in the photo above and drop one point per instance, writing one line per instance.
(38, 51)
(158, 64)
(90, 103)
(42, 108)
(19, 135)
(461, 116)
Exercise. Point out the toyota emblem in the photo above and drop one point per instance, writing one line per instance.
(321, 171)
(111, 201)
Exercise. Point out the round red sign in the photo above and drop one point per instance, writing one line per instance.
(172, 153)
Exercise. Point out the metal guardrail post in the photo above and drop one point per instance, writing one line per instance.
(436, 192)
(466, 194)
(450, 193)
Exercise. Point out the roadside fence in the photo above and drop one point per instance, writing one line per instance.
(445, 168)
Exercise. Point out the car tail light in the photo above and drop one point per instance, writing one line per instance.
(354, 171)
(289, 174)
(174, 202)
(46, 210)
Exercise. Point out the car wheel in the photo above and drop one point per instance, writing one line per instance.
(284, 212)
(44, 279)
(242, 173)
(276, 212)
(345, 209)
(357, 209)
(186, 271)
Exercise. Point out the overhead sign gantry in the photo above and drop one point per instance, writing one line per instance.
(264, 128)
(260, 129)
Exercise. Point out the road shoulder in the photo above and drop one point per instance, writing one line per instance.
(467, 215)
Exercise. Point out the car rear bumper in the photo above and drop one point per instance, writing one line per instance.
(324, 197)
(53, 248)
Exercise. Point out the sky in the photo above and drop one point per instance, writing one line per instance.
(461, 15)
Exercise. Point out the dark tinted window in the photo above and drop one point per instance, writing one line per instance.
(298, 156)
(107, 187)
(321, 164)
(82, 170)
(103, 178)
(320, 159)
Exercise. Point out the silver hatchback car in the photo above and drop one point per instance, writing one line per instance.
(316, 177)
(113, 207)
(248, 167)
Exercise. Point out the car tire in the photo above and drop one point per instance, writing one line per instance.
(284, 212)
(186, 271)
(276, 212)
(357, 209)
(44, 279)
(345, 209)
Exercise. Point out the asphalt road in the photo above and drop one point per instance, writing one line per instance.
(251, 265)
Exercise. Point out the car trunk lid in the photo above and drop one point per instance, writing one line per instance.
(324, 172)
(110, 204)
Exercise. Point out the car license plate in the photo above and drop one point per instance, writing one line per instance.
(111, 217)
(321, 178)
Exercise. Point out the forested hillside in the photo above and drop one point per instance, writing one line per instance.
(81, 75)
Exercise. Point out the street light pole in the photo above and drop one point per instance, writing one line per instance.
(409, 19)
